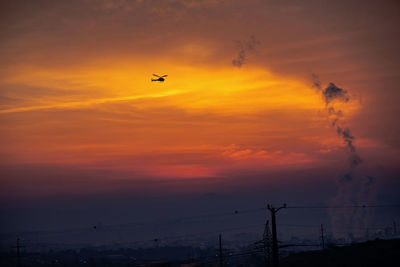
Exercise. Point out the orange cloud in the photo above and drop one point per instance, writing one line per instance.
(262, 157)
(114, 117)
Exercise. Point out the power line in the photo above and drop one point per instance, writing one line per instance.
(203, 216)
(345, 206)
(181, 219)
(196, 234)
(147, 223)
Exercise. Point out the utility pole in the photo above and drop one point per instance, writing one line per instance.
(275, 252)
(18, 246)
(221, 262)
(322, 237)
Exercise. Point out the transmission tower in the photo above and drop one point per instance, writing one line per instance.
(267, 242)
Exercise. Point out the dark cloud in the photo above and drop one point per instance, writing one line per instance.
(332, 92)
(347, 137)
(316, 81)
(245, 47)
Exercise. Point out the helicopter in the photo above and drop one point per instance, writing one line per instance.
(160, 78)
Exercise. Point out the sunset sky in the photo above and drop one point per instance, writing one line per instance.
(80, 117)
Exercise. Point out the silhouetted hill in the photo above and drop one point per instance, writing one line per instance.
(372, 253)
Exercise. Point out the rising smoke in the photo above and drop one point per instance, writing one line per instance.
(353, 190)
(245, 47)
(332, 94)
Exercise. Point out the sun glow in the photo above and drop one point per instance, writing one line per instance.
(115, 117)
(194, 89)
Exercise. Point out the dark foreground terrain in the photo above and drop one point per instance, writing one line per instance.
(371, 253)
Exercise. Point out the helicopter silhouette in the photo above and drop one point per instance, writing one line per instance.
(160, 78)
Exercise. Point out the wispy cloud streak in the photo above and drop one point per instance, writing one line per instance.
(89, 102)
